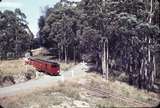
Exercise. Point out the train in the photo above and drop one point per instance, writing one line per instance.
(48, 67)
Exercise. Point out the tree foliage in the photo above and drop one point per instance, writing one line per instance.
(15, 36)
(121, 28)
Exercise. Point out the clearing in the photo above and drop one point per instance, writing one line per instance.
(75, 88)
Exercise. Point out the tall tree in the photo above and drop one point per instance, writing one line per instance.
(15, 36)
(106, 31)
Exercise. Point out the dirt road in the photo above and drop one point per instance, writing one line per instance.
(43, 82)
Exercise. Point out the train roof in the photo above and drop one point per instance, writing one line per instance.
(48, 61)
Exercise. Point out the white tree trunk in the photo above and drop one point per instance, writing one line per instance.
(151, 81)
(107, 71)
(103, 5)
(141, 74)
(154, 71)
(151, 9)
(104, 59)
(74, 52)
(59, 54)
(145, 74)
(149, 50)
(65, 51)
(150, 21)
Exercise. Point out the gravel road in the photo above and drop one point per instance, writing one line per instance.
(43, 82)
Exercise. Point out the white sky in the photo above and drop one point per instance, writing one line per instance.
(31, 8)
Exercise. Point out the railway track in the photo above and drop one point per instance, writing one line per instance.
(98, 92)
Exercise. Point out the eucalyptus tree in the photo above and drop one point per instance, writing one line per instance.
(109, 30)
(58, 28)
(96, 20)
(15, 36)
(151, 39)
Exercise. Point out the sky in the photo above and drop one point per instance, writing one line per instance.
(33, 9)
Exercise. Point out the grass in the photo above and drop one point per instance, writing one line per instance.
(13, 67)
(69, 88)
(108, 103)
(74, 89)
(36, 100)
(58, 94)
(65, 66)
(123, 90)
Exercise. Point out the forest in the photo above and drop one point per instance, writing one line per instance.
(15, 35)
(113, 34)
(123, 35)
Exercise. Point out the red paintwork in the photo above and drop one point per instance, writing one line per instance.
(44, 66)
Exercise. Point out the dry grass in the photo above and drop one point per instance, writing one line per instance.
(65, 66)
(13, 67)
(74, 89)
(123, 90)
(69, 88)
(56, 95)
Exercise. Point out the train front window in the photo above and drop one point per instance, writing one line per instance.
(55, 65)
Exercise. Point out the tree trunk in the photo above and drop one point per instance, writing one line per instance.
(130, 71)
(151, 9)
(59, 54)
(104, 68)
(103, 5)
(65, 51)
(149, 50)
(62, 55)
(74, 52)
(149, 66)
(145, 75)
(107, 65)
(153, 72)
(141, 74)
(150, 22)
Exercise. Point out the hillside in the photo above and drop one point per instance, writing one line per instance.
(90, 91)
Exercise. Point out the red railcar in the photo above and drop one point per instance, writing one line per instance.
(49, 67)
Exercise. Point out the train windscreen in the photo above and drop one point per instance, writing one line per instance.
(55, 65)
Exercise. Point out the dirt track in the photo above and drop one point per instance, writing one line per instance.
(43, 82)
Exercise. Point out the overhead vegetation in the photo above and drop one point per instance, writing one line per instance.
(113, 33)
(15, 36)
